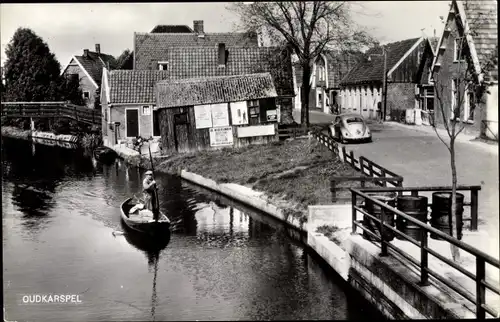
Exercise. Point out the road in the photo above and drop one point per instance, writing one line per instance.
(423, 160)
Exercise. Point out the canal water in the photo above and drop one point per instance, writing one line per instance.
(222, 261)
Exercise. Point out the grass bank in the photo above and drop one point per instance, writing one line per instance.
(15, 132)
(293, 174)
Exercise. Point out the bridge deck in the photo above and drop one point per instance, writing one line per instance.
(51, 109)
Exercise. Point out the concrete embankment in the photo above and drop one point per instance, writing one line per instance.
(387, 282)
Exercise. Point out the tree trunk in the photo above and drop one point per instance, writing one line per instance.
(306, 89)
(454, 220)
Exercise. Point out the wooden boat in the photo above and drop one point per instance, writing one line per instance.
(143, 223)
(104, 154)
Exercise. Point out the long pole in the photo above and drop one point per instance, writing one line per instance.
(156, 206)
(384, 85)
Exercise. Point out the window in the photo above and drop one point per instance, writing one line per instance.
(253, 112)
(459, 45)
(163, 65)
(86, 95)
(454, 99)
(146, 110)
(469, 107)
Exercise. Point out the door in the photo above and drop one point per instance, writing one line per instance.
(132, 117)
(181, 132)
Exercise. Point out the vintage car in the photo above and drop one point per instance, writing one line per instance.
(350, 127)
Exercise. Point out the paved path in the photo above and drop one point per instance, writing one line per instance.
(423, 160)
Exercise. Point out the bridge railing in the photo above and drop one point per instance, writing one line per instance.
(51, 109)
(481, 258)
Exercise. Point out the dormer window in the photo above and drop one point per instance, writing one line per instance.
(163, 65)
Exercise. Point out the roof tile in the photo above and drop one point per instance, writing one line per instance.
(134, 86)
(212, 90)
(372, 71)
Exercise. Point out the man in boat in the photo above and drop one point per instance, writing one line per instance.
(148, 186)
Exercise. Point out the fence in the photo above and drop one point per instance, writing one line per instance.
(482, 283)
(51, 109)
(334, 181)
(293, 132)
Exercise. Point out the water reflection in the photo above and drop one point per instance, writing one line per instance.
(152, 247)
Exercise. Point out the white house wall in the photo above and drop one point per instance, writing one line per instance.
(492, 113)
(361, 100)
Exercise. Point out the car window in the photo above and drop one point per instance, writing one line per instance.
(354, 120)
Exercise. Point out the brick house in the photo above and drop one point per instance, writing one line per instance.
(128, 101)
(474, 25)
(361, 88)
(188, 63)
(326, 72)
(89, 70)
(150, 48)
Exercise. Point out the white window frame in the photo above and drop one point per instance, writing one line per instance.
(161, 65)
(456, 42)
(148, 108)
(467, 105)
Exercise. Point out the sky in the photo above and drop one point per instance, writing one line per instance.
(69, 28)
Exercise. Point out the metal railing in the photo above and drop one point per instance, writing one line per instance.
(482, 283)
(51, 109)
(335, 180)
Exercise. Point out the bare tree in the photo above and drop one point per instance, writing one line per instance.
(308, 27)
(469, 92)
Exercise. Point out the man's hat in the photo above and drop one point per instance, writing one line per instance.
(149, 172)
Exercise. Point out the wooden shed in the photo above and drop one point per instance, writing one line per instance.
(211, 112)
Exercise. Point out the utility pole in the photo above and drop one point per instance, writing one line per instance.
(384, 85)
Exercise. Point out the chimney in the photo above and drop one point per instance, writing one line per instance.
(198, 26)
(222, 54)
(85, 52)
(98, 48)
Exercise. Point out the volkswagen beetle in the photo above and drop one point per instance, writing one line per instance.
(350, 127)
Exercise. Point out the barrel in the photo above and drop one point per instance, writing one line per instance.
(416, 207)
(441, 208)
(376, 211)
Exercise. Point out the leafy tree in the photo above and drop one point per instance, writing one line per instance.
(120, 60)
(70, 90)
(309, 27)
(32, 72)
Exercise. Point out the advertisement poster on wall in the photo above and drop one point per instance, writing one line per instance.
(272, 116)
(220, 136)
(239, 113)
(203, 116)
(220, 115)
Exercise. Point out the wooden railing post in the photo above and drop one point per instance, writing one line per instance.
(333, 190)
(351, 154)
(414, 193)
(353, 204)
(383, 243)
(344, 154)
(480, 288)
(424, 257)
(383, 175)
(473, 209)
(362, 165)
(75, 111)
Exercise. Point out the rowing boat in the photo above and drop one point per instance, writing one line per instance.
(105, 154)
(142, 220)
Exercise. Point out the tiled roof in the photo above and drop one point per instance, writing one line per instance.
(134, 86)
(372, 71)
(482, 18)
(212, 90)
(171, 29)
(339, 64)
(192, 62)
(93, 65)
(152, 47)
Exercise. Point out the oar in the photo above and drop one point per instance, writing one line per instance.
(157, 205)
